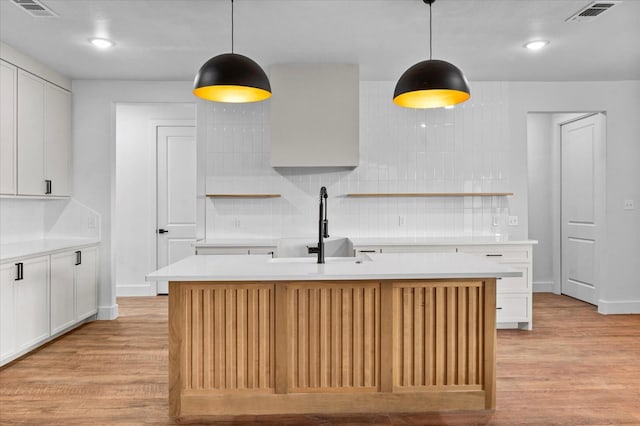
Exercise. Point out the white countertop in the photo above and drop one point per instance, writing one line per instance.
(437, 241)
(13, 251)
(369, 241)
(372, 267)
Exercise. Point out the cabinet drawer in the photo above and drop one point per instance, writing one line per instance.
(418, 249)
(358, 250)
(498, 253)
(511, 284)
(512, 308)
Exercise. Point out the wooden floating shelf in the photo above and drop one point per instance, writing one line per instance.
(244, 195)
(432, 194)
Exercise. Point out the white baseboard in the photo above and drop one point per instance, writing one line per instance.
(132, 290)
(619, 307)
(543, 287)
(108, 312)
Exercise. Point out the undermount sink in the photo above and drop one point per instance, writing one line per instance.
(315, 260)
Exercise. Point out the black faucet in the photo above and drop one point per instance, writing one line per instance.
(323, 224)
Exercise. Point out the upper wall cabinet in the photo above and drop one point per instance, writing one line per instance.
(8, 105)
(314, 115)
(44, 137)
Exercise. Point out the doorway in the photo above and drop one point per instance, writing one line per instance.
(566, 200)
(135, 208)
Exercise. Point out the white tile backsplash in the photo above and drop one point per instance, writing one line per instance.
(401, 150)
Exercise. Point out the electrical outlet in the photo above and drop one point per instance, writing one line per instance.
(236, 223)
(513, 220)
(629, 205)
(402, 220)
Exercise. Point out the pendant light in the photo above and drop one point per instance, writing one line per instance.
(431, 83)
(232, 78)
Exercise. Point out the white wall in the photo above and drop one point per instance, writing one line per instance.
(620, 101)
(94, 162)
(401, 150)
(94, 154)
(540, 168)
(135, 213)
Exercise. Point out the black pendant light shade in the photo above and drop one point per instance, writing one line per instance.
(431, 84)
(233, 78)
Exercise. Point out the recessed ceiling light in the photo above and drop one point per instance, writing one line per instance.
(101, 43)
(536, 44)
(423, 125)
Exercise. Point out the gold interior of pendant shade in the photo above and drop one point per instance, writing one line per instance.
(232, 94)
(435, 98)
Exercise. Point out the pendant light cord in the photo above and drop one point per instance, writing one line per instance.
(430, 32)
(232, 26)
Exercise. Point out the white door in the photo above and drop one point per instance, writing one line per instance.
(8, 275)
(176, 231)
(582, 174)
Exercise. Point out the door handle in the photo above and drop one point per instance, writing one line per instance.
(78, 258)
(47, 186)
(493, 255)
(162, 231)
(19, 271)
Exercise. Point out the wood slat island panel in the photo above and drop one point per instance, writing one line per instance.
(331, 346)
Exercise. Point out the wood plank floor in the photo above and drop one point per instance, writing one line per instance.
(576, 368)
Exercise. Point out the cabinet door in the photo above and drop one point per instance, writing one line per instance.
(63, 307)
(7, 310)
(86, 283)
(32, 303)
(30, 134)
(8, 92)
(57, 139)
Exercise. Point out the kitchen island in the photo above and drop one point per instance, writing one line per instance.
(378, 333)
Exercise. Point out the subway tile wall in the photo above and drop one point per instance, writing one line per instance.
(464, 149)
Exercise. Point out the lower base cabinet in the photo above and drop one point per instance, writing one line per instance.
(41, 297)
(24, 295)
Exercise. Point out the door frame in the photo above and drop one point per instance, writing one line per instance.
(152, 212)
(599, 199)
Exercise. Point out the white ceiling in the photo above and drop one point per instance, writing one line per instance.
(171, 39)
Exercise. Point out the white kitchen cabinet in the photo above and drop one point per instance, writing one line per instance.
(73, 287)
(8, 273)
(57, 139)
(514, 298)
(315, 115)
(43, 137)
(8, 131)
(63, 312)
(43, 296)
(86, 283)
(25, 305)
(30, 122)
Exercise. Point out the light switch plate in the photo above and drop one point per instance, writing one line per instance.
(513, 220)
(629, 205)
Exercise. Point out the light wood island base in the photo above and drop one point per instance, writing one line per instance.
(253, 348)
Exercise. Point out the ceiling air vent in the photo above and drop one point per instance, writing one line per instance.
(592, 11)
(34, 8)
